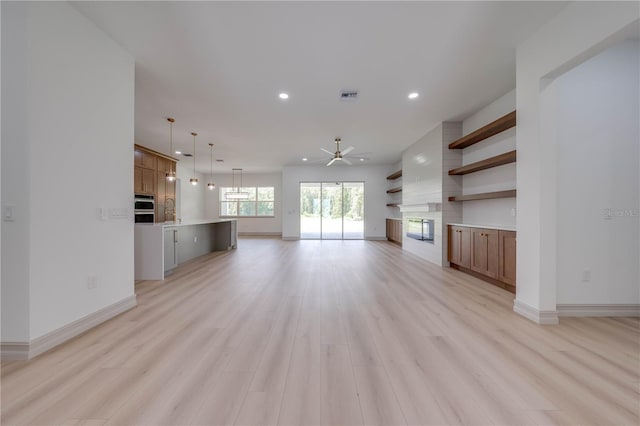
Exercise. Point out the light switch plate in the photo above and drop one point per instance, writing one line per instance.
(8, 213)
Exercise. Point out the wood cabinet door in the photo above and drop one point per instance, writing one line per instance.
(507, 257)
(459, 252)
(160, 197)
(484, 251)
(148, 181)
(138, 187)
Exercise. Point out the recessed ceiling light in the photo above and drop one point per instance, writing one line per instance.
(413, 95)
(305, 159)
(178, 152)
(283, 95)
(362, 159)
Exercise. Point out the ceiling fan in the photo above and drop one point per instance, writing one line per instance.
(338, 155)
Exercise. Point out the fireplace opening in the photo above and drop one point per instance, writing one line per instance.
(420, 229)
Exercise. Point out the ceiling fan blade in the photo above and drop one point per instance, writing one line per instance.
(331, 162)
(348, 150)
(344, 160)
(328, 152)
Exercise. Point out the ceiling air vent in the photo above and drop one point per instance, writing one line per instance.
(348, 95)
(186, 154)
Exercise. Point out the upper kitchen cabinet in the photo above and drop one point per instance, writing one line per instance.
(150, 168)
(145, 159)
(144, 181)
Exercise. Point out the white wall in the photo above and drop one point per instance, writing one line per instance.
(375, 185)
(67, 152)
(190, 198)
(422, 167)
(496, 212)
(254, 225)
(597, 136)
(15, 175)
(592, 27)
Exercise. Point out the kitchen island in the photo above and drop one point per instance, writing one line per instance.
(160, 247)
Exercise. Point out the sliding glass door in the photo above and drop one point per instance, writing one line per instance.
(332, 210)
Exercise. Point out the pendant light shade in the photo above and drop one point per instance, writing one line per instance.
(211, 185)
(194, 179)
(171, 174)
(237, 193)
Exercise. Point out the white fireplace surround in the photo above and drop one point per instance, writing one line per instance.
(420, 208)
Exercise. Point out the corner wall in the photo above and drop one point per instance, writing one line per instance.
(71, 154)
(548, 53)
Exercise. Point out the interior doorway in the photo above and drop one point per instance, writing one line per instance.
(332, 210)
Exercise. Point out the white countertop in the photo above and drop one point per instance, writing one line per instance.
(184, 223)
(499, 228)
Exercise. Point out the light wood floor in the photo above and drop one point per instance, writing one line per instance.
(329, 332)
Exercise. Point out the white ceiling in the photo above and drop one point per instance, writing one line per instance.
(217, 67)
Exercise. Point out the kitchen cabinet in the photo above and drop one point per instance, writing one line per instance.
(161, 190)
(489, 254)
(394, 230)
(460, 246)
(144, 181)
(484, 251)
(150, 168)
(507, 257)
(144, 159)
(170, 248)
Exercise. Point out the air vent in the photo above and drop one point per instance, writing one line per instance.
(186, 154)
(348, 95)
(219, 160)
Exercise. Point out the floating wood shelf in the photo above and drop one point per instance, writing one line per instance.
(394, 190)
(392, 204)
(498, 160)
(485, 196)
(500, 125)
(395, 175)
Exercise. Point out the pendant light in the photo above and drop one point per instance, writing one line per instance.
(194, 179)
(211, 185)
(236, 193)
(171, 174)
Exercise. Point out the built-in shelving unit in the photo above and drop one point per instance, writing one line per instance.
(395, 175)
(500, 125)
(485, 195)
(395, 200)
(498, 160)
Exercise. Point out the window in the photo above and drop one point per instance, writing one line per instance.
(259, 203)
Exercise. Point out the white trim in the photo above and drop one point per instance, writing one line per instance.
(533, 314)
(375, 238)
(14, 351)
(420, 208)
(290, 238)
(259, 234)
(21, 350)
(599, 310)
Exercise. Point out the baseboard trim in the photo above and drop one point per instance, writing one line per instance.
(599, 310)
(375, 238)
(535, 315)
(21, 350)
(259, 234)
(290, 238)
(14, 351)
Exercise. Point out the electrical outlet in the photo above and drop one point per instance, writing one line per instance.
(586, 275)
(513, 212)
(195, 239)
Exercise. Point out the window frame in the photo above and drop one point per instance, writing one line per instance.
(256, 202)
